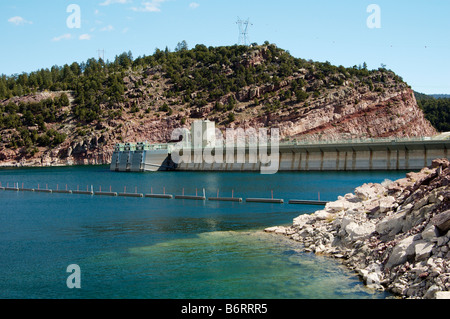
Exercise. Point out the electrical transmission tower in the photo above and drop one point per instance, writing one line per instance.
(243, 31)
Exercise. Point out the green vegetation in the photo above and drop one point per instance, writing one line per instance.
(188, 78)
(28, 123)
(437, 110)
(198, 76)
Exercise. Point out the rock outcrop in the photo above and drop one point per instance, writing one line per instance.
(349, 114)
(395, 235)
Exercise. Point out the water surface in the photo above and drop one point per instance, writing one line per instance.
(171, 249)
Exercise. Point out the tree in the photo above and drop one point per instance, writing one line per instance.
(75, 68)
(3, 91)
(181, 46)
(64, 100)
(18, 90)
(301, 96)
(124, 60)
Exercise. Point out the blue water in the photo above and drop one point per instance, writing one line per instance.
(171, 249)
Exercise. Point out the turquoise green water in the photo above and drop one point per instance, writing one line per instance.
(170, 249)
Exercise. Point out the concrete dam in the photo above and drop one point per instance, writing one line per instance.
(361, 155)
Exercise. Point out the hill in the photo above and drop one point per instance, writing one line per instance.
(441, 96)
(75, 114)
(436, 109)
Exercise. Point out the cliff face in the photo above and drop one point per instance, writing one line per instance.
(311, 101)
(349, 114)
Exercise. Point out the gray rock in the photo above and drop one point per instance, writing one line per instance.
(391, 225)
(416, 217)
(277, 230)
(420, 203)
(401, 252)
(442, 295)
(441, 241)
(358, 232)
(430, 233)
(423, 249)
(371, 276)
(442, 221)
(322, 215)
(302, 220)
(431, 292)
(386, 204)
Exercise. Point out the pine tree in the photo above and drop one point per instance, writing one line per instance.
(3, 91)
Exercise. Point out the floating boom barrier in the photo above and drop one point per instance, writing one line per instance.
(90, 192)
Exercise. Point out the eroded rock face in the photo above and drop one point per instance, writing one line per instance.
(392, 114)
(401, 244)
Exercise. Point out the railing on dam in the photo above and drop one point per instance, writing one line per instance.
(295, 142)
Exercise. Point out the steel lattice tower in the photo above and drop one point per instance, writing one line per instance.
(243, 31)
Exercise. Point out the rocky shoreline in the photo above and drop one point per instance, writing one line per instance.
(394, 235)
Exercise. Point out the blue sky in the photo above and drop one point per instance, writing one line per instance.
(413, 40)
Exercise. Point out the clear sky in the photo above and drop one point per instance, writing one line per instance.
(410, 37)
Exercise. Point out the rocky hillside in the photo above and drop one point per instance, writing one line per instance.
(395, 235)
(75, 114)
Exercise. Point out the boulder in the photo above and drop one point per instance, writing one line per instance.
(369, 191)
(423, 249)
(373, 281)
(417, 217)
(402, 251)
(357, 232)
(440, 162)
(322, 215)
(430, 233)
(432, 292)
(371, 276)
(420, 203)
(277, 230)
(302, 220)
(391, 225)
(442, 221)
(340, 205)
(386, 204)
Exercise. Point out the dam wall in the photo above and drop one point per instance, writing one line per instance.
(358, 156)
(362, 156)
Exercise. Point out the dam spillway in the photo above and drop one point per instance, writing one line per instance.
(369, 155)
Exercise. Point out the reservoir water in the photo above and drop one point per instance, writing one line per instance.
(167, 249)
